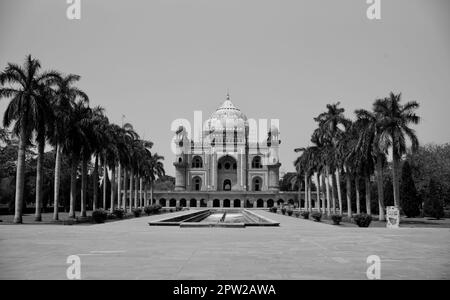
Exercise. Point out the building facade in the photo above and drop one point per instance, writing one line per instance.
(227, 164)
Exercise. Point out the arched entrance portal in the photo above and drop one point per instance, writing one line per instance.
(227, 173)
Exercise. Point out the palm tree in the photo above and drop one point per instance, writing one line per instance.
(27, 109)
(92, 137)
(100, 142)
(75, 144)
(43, 132)
(395, 119)
(375, 146)
(154, 168)
(345, 156)
(66, 95)
(364, 154)
(332, 122)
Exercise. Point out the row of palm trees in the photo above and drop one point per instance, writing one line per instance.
(357, 149)
(46, 108)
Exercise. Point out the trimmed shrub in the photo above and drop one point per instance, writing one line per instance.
(149, 209)
(157, 208)
(290, 211)
(337, 219)
(305, 215)
(99, 216)
(137, 212)
(273, 209)
(129, 215)
(317, 216)
(363, 220)
(297, 214)
(119, 213)
(283, 210)
(111, 216)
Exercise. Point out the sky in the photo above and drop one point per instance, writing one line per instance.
(157, 61)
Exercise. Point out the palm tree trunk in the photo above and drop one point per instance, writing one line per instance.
(327, 185)
(125, 192)
(332, 179)
(318, 192)
(83, 186)
(95, 186)
(309, 194)
(57, 182)
(73, 186)
(380, 189)
(299, 190)
(395, 178)
(151, 192)
(119, 185)
(338, 184)
(324, 202)
(368, 196)
(20, 178)
(131, 188)
(105, 182)
(348, 181)
(145, 194)
(140, 192)
(358, 197)
(39, 181)
(113, 188)
(306, 192)
(136, 191)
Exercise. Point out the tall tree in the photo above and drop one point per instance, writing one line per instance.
(373, 145)
(27, 108)
(66, 96)
(332, 123)
(395, 119)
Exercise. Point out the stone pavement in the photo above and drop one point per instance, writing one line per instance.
(298, 249)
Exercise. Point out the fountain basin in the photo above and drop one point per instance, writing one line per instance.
(223, 217)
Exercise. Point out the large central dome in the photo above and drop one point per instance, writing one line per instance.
(227, 116)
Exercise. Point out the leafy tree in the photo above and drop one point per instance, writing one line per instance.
(431, 161)
(434, 206)
(409, 199)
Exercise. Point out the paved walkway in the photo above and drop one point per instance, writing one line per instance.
(299, 249)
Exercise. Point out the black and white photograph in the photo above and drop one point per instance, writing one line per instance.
(222, 147)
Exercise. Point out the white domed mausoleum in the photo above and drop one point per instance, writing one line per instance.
(225, 167)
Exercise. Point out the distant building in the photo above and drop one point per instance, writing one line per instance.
(225, 168)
